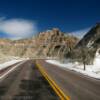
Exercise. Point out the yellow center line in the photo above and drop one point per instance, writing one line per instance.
(56, 88)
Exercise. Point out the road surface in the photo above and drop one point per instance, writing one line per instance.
(26, 83)
(73, 84)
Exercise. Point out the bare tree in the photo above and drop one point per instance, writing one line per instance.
(81, 55)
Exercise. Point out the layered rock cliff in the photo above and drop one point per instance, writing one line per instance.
(46, 44)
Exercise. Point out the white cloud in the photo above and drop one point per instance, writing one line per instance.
(18, 28)
(80, 33)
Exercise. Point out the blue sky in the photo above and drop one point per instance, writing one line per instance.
(68, 15)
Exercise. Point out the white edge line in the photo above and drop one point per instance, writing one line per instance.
(4, 75)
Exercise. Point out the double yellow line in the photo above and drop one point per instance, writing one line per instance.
(52, 83)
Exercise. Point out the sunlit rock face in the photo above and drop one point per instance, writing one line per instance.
(54, 43)
(48, 41)
(51, 43)
(16, 47)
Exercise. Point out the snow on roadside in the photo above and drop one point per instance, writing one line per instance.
(91, 70)
(5, 74)
(11, 62)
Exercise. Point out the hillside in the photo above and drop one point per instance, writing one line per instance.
(85, 50)
(92, 38)
(54, 43)
(46, 44)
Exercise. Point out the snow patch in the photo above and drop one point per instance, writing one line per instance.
(91, 70)
(13, 68)
(11, 62)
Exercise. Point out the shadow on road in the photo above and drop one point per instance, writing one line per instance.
(37, 89)
(2, 91)
(26, 83)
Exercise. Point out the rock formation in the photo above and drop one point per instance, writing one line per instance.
(52, 43)
(90, 42)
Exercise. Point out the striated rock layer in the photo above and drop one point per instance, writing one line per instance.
(52, 43)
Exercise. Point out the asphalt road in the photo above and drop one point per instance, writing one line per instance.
(26, 83)
(73, 84)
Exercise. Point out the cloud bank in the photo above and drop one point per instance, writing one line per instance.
(18, 28)
(80, 33)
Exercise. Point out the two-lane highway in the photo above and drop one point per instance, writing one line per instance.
(30, 82)
(77, 86)
(25, 82)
